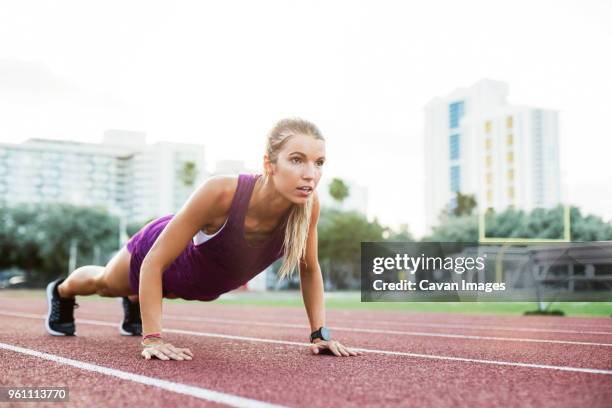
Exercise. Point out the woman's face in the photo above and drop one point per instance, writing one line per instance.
(299, 164)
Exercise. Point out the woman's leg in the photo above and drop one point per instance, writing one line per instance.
(111, 280)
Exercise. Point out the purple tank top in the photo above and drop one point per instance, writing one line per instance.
(223, 263)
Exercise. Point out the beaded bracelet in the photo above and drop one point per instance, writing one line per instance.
(152, 335)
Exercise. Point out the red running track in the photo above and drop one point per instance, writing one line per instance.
(439, 360)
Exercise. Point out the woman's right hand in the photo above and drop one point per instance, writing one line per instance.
(164, 351)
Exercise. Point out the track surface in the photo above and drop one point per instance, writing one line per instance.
(245, 356)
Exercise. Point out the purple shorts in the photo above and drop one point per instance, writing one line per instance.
(140, 244)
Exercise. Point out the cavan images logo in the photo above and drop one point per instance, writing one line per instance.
(457, 265)
(496, 272)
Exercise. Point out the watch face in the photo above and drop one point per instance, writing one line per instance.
(325, 333)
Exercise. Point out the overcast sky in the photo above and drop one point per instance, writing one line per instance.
(222, 73)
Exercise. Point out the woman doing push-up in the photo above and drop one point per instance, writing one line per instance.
(228, 231)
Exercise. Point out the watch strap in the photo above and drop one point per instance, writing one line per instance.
(318, 334)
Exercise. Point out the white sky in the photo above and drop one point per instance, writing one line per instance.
(222, 73)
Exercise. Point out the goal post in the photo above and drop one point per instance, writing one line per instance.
(508, 242)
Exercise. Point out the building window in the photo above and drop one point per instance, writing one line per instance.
(455, 111)
(509, 122)
(511, 192)
(489, 178)
(510, 157)
(489, 160)
(510, 175)
(455, 175)
(489, 196)
(488, 126)
(510, 139)
(454, 147)
(488, 143)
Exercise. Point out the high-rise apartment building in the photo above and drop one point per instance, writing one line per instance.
(476, 143)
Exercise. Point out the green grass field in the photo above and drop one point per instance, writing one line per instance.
(352, 300)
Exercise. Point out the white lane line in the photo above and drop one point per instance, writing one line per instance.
(378, 331)
(469, 326)
(190, 390)
(295, 343)
(485, 327)
(401, 353)
(528, 323)
(337, 314)
(375, 331)
(382, 331)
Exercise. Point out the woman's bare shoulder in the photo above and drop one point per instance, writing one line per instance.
(224, 188)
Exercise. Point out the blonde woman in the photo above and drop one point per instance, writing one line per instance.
(230, 229)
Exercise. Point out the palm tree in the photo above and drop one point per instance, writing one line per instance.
(338, 190)
(466, 203)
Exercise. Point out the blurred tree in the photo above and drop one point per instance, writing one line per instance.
(455, 229)
(466, 204)
(340, 235)
(588, 228)
(338, 190)
(401, 235)
(513, 223)
(36, 237)
(188, 173)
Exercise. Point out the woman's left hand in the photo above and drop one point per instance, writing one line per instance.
(332, 347)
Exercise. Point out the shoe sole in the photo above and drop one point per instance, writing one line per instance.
(49, 329)
(121, 331)
(125, 333)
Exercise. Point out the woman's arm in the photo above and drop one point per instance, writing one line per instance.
(204, 204)
(311, 279)
(311, 283)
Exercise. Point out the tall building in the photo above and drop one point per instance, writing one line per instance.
(123, 173)
(476, 143)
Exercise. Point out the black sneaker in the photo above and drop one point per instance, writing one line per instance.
(131, 324)
(60, 317)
